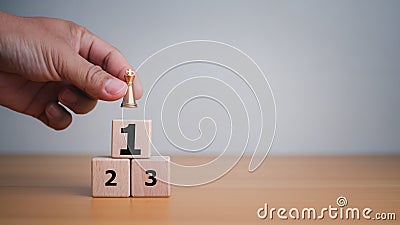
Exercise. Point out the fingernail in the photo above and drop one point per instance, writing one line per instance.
(68, 96)
(54, 111)
(115, 86)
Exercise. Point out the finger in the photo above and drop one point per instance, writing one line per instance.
(36, 99)
(91, 79)
(108, 57)
(77, 101)
(56, 117)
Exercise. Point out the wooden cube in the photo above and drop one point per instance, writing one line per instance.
(110, 177)
(131, 139)
(150, 177)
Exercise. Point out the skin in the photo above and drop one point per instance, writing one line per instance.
(45, 62)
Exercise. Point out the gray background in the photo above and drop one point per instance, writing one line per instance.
(334, 67)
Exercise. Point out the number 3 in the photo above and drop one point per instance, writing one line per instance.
(152, 177)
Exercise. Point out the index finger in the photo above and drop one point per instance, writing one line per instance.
(100, 53)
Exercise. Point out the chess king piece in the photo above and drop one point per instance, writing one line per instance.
(129, 99)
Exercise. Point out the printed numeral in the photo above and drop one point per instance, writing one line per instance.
(130, 145)
(112, 178)
(151, 177)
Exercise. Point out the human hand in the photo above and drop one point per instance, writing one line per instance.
(44, 62)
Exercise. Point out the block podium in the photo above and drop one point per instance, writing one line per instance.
(131, 170)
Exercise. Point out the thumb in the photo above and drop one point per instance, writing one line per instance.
(92, 79)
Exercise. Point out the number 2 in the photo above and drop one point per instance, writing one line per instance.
(112, 178)
(152, 177)
(130, 145)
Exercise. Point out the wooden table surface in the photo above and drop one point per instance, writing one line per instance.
(41, 189)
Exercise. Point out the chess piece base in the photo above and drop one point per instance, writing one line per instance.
(128, 105)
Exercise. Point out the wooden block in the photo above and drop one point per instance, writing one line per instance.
(150, 177)
(110, 177)
(131, 139)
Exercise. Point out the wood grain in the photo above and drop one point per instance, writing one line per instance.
(42, 189)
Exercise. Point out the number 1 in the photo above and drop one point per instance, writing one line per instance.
(130, 145)
(151, 177)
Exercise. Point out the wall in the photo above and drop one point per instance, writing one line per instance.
(333, 66)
